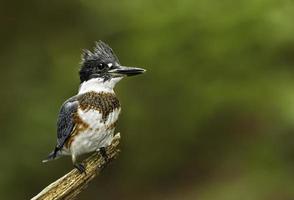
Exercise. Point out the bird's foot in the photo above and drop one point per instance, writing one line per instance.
(80, 167)
(103, 153)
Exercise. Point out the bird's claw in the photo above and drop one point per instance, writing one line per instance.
(103, 153)
(80, 167)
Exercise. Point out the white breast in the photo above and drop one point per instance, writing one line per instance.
(97, 135)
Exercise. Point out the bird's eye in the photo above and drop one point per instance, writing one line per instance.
(102, 66)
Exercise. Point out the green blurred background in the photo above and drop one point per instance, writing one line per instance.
(213, 119)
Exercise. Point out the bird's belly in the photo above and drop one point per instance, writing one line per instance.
(98, 134)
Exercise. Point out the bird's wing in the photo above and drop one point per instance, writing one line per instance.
(65, 122)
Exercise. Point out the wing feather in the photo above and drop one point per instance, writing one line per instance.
(65, 122)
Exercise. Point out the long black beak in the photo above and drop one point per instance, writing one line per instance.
(128, 71)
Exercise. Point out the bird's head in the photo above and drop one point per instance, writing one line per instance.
(103, 63)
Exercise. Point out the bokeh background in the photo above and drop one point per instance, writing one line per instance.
(213, 119)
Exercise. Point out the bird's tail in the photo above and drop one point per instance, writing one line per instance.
(53, 155)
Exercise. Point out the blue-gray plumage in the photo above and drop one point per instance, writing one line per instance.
(86, 121)
(65, 122)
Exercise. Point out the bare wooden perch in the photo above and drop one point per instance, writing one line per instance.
(71, 184)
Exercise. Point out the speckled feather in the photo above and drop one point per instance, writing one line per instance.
(102, 101)
(74, 118)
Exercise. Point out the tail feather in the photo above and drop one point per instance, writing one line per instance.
(53, 155)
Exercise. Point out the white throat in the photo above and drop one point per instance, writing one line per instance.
(98, 85)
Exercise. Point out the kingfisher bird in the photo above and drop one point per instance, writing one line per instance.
(86, 121)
